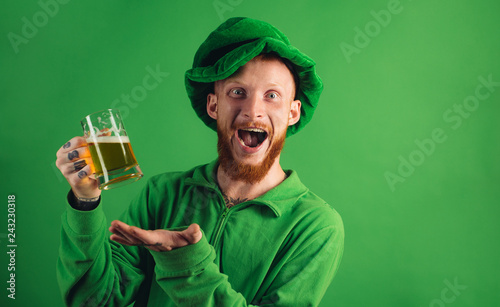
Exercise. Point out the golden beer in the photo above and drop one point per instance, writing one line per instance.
(111, 154)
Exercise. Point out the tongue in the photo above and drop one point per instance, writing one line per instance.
(249, 138)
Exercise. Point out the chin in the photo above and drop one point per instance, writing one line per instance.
(253, 163)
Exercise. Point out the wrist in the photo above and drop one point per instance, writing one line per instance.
(87, 196)
(82, 203)
(87, 199)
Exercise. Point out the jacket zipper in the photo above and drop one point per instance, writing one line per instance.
(222, 220)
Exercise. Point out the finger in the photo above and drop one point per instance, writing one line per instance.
(123, 238)
(120, 240)
(155, 247)
(117, 223)
(124, 231)
(192, 234)
(123, 234)
(145, 236)
(78, 165)
(76, 150)
(74, 143)
(150, 239)
(104, 132)
(79, 153)
(70, 168)
(120, 234)
(79, 177)
(117, 233)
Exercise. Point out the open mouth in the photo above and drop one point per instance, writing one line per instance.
(252, 137)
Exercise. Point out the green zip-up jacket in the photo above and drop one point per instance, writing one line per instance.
(280, 249)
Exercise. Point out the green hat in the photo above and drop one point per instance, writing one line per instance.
(232, 45)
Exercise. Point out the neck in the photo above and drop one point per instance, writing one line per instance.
(236, 191)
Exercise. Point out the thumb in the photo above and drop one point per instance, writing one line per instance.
(192, 234)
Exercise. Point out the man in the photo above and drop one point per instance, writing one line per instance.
(256, 235)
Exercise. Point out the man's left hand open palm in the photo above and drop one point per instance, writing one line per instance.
(159, 240)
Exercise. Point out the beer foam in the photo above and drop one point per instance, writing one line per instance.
(108, 139)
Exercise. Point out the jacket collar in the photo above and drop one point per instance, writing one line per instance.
(279, 199)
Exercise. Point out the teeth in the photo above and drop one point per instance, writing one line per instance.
(254, 130)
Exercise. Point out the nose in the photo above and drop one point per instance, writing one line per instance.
(253, 108)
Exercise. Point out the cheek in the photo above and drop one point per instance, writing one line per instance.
(226, 118)
(232, 113)
(280, 116)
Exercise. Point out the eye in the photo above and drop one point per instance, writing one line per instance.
(272, 95)
(236, 92)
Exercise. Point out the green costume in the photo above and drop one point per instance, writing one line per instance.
(280, 249)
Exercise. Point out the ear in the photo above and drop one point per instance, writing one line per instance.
(212, 106)
(294, 115)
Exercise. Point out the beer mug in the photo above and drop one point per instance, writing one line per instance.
(114, 161)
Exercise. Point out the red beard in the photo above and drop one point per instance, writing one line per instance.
(246, 172)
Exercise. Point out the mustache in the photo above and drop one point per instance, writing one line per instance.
(252, 124)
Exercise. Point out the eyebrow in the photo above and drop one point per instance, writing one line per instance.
(271, 84)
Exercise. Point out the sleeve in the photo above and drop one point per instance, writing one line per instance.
(191, 278)
(91, 269)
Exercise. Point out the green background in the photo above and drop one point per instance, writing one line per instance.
(404, 245)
